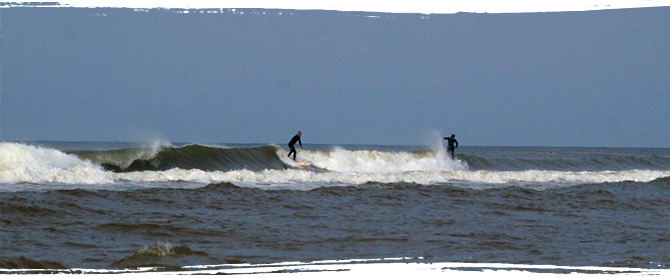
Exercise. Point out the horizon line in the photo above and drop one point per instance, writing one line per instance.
(370, 6)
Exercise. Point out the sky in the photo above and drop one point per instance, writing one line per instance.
(579, 78)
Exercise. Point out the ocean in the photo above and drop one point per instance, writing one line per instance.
(170, 206)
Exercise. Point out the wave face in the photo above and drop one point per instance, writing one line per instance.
(187, 157)
(268, 166)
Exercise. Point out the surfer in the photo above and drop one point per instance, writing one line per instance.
(452, 144)
(291, 144)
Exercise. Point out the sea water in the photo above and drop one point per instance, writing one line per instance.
(117, 206)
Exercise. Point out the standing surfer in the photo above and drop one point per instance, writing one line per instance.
(452, 144)
(295, 138)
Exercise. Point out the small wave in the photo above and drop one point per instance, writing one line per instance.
(219, 186)
(663, 180)
(26, 263)
(159, 254)
(26, 209)
(570, 159)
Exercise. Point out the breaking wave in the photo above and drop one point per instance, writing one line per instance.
(21, 163)
(161, 254)
(267, 166)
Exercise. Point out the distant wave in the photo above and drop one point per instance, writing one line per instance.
(26, 263)
(589, 162)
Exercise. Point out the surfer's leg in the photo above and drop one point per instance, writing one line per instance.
(291, 151)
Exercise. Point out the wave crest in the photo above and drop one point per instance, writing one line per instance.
(195, 156)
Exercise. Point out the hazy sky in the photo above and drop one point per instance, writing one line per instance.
(597, 78)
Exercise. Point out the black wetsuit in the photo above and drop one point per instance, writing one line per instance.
(291, 147)
(450, 145)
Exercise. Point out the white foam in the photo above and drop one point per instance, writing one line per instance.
(378, 162)
(302, 179)
(21, 163)
(403, 267)
(389, 267)
(367, 161)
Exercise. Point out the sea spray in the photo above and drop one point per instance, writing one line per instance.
(436, 144)
(123, 158)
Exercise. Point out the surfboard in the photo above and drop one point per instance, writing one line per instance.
(304, 164)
